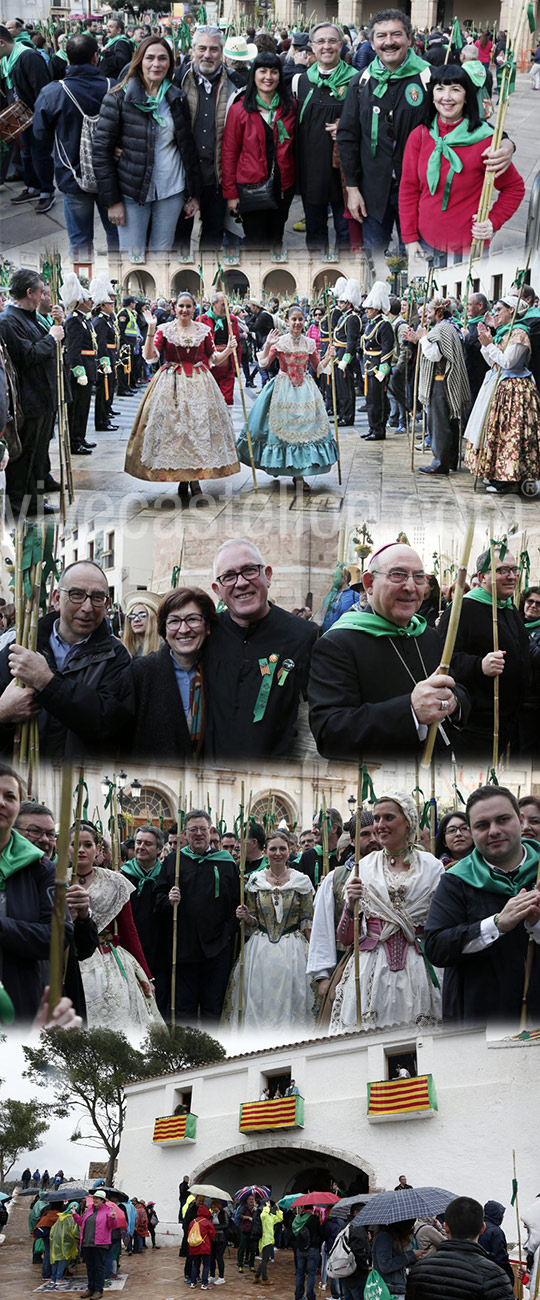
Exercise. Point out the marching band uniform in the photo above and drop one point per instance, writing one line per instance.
(107, 336)
(378, 346)
(346, 340)
(81, 350)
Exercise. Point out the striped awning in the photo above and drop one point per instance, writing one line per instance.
(175, 1128)
(402, 1096)
(288, 1112)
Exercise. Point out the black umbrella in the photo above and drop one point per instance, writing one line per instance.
(66, 1194)
(113, 1191)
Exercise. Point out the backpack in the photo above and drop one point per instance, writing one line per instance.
(303, 1240)
(86, 180)
(195, 1237)
(256, 1226)
(341, 1261)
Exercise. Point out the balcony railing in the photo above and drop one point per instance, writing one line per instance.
(286, 1112)
(402, 1098)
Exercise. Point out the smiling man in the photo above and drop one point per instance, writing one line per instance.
(485, 910)
(78, 678)
(257, 660)
(373, 686)
(476, 663)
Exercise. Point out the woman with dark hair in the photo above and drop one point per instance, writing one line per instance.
(454, 839)
(258, 150)
(392, 1254)
(433, 603)
(183, 430)
(170, 695)
(288, 423)
(444, 169)
(144, 154)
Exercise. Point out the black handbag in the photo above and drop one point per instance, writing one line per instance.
(260, 196)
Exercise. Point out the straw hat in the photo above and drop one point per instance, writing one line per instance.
(236, 47)
(149, 598)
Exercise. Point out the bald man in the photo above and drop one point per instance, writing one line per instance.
(373, 686)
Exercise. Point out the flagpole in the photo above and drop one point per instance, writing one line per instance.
(516, 1203)
(242, 900)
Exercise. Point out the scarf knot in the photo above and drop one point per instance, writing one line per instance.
(153, 101)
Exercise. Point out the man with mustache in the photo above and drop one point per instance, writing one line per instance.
(382, 107)
(484, 914)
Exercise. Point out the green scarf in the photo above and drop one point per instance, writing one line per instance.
(484, 597)
(336, 82)
(411, 66)
(136, 873)
(220, 323)
(60, 53)
(7, 1010)
(271, 109)
(532, 625)
(363, 620)
(153, 102)
(218, 855)
(476, 71)
(121, 37)
(475, 871)
(474, 320)
(298, 1223)
(7, 64)
(17, 854)
(503, 330)
(460, 135)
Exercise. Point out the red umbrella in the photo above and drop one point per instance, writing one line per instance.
(314, 1198)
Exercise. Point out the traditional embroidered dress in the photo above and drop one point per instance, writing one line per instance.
(112, 976)
(276, 989)
(396, 984)
(182, 430)
(511, 450)
(288, 424)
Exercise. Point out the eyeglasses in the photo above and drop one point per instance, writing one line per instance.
(36, 832)
(249, 573)
(508, 570)
(192, 620)
(141, 613)
(398, 576)
(76, 596)
(325, 41)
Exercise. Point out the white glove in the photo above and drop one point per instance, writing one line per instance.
(342, 365)
(82, 380)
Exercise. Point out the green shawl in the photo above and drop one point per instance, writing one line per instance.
(484, 597)
(363, 620)
(218, 855)
(139, 877)
(17, 854)
(7, 64)
(336, 82)
(475, 871)
(460, 135)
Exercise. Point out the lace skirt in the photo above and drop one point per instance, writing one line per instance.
(182, 430)
(402, 997)
(113, 993)
(289, 430)
(276, 990)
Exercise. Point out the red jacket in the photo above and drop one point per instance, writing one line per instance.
(207, 1230)
(420, 213)
(243, 154)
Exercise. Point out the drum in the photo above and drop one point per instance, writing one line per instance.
(14, 120)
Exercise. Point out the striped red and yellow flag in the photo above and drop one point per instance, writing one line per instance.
(397, 1096)
(174, 1128)
(287, 1112)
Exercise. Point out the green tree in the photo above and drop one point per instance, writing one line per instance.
(178, 1049)
(22, 1125)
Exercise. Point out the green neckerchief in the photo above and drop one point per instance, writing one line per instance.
(480, 594)
(474, 320)
(532, 624)
(121, 37)
(319, 851)
(217, 855)
(336, 81)
(475, 871)
(459, 135)
(136, 873)
(271, 109)
(60, 53)
(411, 65)
(476, 71)
(17, 854)
(503, 330)
(7, 1010)
(363, 620)
(46, 321)
(153, 102)
(220, 322)
(298, 1223)
(7, 64)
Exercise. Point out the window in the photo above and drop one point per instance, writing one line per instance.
(275, 1083)
(458, 289)
(183, 1105)
(401, 1058)
(90, 550)
(497, 287)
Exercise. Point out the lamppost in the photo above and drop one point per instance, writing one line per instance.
(114, 792)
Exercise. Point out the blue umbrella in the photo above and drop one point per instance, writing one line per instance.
(5, 1196)
(66, 1194)
(407, 1203)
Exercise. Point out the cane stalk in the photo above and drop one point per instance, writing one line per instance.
(495, 625)
(333, 381)
(175, 913)
(451, 634)
(356, 923)
(324, 839)
(56, 954)
(520, 1275)
(239, 378)
(429, 282)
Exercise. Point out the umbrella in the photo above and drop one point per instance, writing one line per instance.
(63, 1194)
(207, 1189)
(253, 1190)
(286, 1201)
(29, 1191)
(5, 1196)
(315, 1198)
(120, 1196)
(345, 1204)
(408, 1203)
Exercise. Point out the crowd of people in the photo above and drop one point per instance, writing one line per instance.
(224, 677)
(469, 369)
(447, 918)
(462, 1249)
(229, 127)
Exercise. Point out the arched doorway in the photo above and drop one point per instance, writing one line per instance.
(140, 283)
(275, 807)
(186, 279)
(280, 284)
(288, 1166)
(152, 806)
(325, 280)
(236, 283)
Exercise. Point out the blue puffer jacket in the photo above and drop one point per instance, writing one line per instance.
(493, 1239)
(55, 113)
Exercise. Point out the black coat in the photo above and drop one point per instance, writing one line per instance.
(144, 918)
(458, 1270)
(26, 907)
(33, 354)
(160, 730)
(58, 122)
(79, 343)
(317, 179)
(232, 667)
(477, 368)
(311, 863)
(487, 985)
(122, 124)
(29, 75)
(493, 1240)
(87, 705)
(360, 693)
(206, 924)
(84, 943)
(397, 118)
(115, 56)
(474, 640)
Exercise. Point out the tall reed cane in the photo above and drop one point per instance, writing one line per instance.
(451, 634)
(495, 625)
(333, 380)
(429, 283)
(356, 924)
(56, 955)
(242, 902)
(239, 378)
(175, 912)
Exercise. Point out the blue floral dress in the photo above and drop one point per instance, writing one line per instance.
(288, 424)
